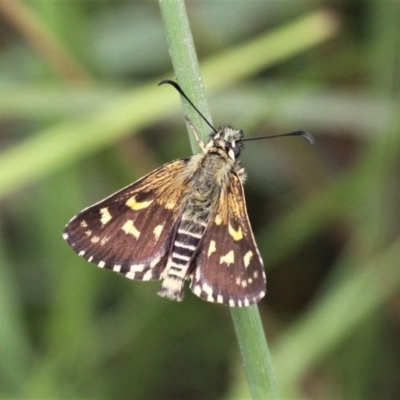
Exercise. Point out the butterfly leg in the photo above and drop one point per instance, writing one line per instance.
(196, 136)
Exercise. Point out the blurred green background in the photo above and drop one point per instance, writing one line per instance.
(81, 116)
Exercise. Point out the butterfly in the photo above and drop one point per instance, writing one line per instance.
(186, 220)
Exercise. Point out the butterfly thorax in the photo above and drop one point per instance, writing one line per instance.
(209, 176)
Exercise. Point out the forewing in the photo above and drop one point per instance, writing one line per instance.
(228, 268)
(129, 232)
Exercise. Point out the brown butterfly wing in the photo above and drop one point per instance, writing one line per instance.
(228, 268)
(130, 231)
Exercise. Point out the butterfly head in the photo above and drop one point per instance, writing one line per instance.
(226, 140)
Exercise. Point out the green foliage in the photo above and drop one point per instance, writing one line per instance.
(81, 116)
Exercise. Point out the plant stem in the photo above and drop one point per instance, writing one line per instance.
(247, 321)
(255, 353)
(185, 63)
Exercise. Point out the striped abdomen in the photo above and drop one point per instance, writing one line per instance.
(185, 244)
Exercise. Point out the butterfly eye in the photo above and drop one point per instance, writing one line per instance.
(236, 150)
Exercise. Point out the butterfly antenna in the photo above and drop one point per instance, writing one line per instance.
(179, 89)
(305, 134)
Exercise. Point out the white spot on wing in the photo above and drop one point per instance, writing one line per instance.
(130, 275)
(129, 228)
(117, 267)
(101, 264)
(104, 240)
(247, 258)
(197, 290)
(157, 231)
(212, 248)
(207, 288)
(147, 276)
(228, 258)
(137, 267)
(95, 239)
(155, 261)
(198, 274)
(105, 215)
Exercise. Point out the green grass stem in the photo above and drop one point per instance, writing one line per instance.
(248, 327)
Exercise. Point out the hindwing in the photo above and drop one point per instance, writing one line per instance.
(228, 268)
(130, 231)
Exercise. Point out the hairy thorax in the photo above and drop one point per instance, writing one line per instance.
(210, 176)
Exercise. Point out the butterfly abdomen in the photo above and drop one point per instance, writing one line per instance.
(183, 250)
